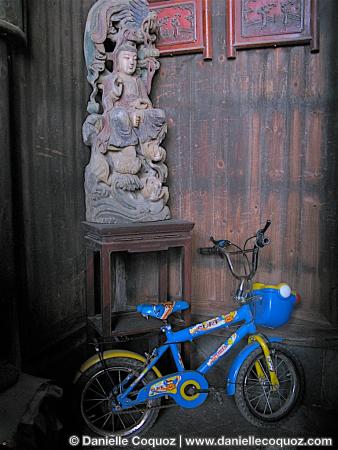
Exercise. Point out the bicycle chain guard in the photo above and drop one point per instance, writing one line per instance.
(182, 387)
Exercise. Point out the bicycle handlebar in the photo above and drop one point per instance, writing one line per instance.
(220, 245)
(208, 250)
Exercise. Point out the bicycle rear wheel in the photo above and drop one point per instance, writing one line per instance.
(95, 400)
(255, 397)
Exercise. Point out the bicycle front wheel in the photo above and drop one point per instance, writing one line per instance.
(256, 398)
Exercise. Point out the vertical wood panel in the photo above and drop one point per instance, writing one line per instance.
(7, 265)
(50, 101)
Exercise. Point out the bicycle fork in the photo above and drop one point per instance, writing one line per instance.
(259, 370)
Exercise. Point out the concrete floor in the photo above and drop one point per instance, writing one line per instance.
(215, 420)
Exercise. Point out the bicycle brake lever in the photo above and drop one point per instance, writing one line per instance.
(221, 242)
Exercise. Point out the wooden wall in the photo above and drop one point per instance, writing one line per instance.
(249, 139)
(7, 264)
(256, 138)
(50, 93)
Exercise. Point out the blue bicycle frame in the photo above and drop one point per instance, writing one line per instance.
(168, 384)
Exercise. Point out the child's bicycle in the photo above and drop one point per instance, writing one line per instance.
(120, 392)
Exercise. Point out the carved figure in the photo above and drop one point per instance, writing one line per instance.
(125, 175)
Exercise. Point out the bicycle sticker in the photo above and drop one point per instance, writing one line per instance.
(270, 364)
(213, 323)
(229, 317)
(168, 307)
(222, 349)
(180, 360)
(168, 386)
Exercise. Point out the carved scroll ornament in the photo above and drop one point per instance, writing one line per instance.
(125, 175)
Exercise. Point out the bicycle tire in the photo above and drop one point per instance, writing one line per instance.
(96, 382)
(255, 398)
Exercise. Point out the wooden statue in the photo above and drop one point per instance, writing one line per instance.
(125, 175)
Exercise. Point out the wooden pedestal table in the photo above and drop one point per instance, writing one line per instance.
(102, 241)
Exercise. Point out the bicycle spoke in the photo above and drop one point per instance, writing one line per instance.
(261, 395)
(119, 416)
(253, 386)
(267, 403)
(264, 372)
(284, 380)
(258, 401)
(255, 380)
(96, 392)
(95, 405)
(105, 393)
(131, 415)
(280, 395)
(276, 367)
(268, 398)
(104, 423)
(120, 381)
(101, 417)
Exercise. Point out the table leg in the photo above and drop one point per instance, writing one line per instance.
(163, 276)
(186, 350)
(90, 294)
(106, 291)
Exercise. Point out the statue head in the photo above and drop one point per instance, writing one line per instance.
(126, 59)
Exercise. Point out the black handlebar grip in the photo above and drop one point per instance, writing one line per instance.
(261, 241)
(268, 223)
(207, 250)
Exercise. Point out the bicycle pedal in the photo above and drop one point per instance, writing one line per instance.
(214, 392)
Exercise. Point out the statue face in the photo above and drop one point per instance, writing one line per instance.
(127, 62)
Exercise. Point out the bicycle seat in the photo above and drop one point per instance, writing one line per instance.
(162, 310)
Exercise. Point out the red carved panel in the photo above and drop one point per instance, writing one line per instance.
(177, 23)
(185, 26)
(265, 17)
(259, 23)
